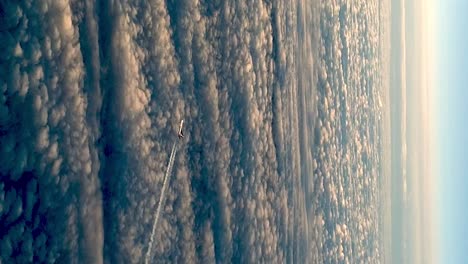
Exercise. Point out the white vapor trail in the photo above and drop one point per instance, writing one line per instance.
(161, 201)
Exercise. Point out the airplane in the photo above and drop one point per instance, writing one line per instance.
(181, 133)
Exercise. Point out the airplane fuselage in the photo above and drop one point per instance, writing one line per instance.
(180, 134)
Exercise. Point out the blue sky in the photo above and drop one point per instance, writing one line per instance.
(452, 117)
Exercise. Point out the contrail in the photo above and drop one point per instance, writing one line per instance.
(161, 201)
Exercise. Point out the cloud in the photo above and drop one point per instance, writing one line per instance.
(346, 162)
(274, 162)
(51, 169)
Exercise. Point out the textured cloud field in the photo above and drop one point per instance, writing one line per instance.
(347, 152)
(280, 162)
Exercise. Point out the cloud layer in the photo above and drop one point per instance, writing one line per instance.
(348, 170)
(280, 162)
